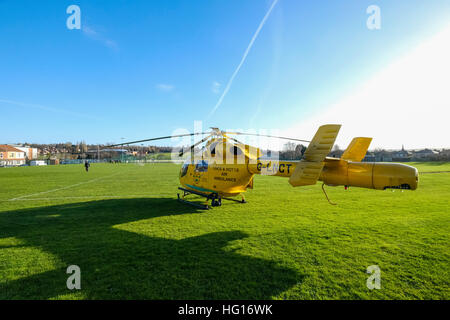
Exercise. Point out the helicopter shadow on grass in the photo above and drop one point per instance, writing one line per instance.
(118, 264)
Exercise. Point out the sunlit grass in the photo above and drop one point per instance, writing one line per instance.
(132, 240)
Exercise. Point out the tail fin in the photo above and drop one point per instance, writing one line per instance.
(357, 149)
(308, 170)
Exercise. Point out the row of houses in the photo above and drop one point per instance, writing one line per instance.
(408, 155)
(402, 155)
(16, 155)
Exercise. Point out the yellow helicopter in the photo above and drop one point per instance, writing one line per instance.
(226, 167)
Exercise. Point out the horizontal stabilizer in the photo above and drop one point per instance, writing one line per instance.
(306, 173)
(357, 149)
(308, 170)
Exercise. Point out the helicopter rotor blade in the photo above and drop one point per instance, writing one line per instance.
(159, 138)
(195, 144)
(231, 138)
(215, 131)
(265, 135)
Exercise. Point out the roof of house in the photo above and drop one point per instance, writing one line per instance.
(425, 151)
(7, 148)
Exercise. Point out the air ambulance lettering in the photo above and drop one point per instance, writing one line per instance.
(225, 179)
(227, 169)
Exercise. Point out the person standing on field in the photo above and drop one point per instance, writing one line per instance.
(87, 165)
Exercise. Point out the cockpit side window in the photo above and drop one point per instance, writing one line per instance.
(235, 151)
(212, 148)
(184, 169)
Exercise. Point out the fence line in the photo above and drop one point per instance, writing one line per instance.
(81, 161)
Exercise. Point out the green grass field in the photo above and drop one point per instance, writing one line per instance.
(121, 224)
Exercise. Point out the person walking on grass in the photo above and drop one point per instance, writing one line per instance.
(87, 165)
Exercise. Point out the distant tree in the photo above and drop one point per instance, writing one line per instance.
(83, 147)
(299, 151)
(289, 146)
(292, 151)
(336, 152)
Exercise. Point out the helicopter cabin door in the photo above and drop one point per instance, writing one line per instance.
(201, 173)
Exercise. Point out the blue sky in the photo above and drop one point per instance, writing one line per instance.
(138, 69)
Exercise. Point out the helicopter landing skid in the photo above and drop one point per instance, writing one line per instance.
(235, 200)
(216, 200)
(198, 205)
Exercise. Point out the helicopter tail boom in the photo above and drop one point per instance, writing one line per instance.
(347, 170)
